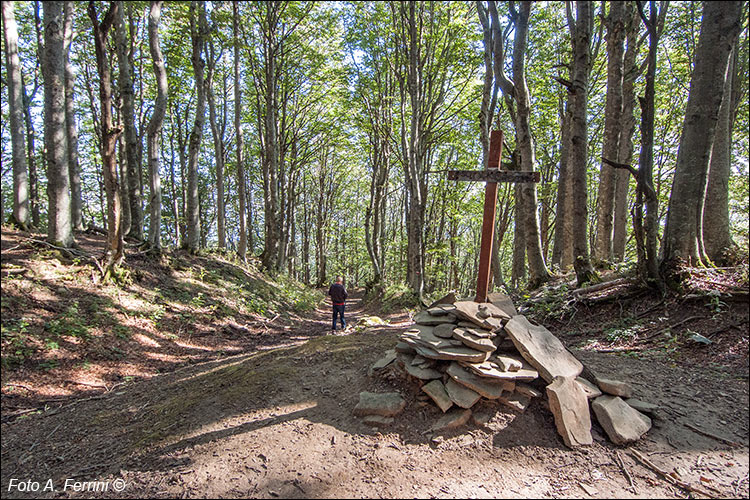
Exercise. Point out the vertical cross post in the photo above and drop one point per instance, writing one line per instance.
(488, 219)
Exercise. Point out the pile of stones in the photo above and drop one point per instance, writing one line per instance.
(460, 352)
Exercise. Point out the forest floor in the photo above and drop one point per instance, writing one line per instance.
(165, 395)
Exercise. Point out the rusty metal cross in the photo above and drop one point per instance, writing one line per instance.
(491, 176)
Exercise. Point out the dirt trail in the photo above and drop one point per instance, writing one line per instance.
(277, 422)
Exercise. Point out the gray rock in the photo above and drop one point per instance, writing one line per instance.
(452, 353)
(444, 331)
(489, 388)
(490, 369)
(387, 359)
(614, 387)
(447, 299)
(482, 417)
(404, 348)
(507, 363)
(427, 319)
(422, 373)
(385, 404)
(542, 349)
(470, 339)
(377, 420)
(527, 390)
(570, 407)
(451, 420)
(502, 302)
(469, 311)
(622, 423)
(460, 394)
(436, 391)
(642, 406)
(515, 400)
(590, 389)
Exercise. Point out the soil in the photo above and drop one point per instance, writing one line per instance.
(267, 411)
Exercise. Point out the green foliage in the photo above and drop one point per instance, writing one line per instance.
(15, 343)
(71, 323)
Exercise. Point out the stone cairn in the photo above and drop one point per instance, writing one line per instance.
(463, 351)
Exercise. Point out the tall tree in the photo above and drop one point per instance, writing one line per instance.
(716, 227)
(59, 230)
(242, 247)
(127, 96)
(155, 126)
(581, 30)
(74, 167)
(683, 238)
(21, 213)
(114, 253)
(198, 32)
(615, 21)
(217, 133)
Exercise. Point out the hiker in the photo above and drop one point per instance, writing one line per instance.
(338, 298)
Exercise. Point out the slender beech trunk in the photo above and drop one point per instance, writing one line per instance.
(242, 249)
(682, 234)
(198, 35)
(603, 249)
(216, 134)
(155, 126)
(127, 95)
(21, 215)
(114, 253)
(59, 231)
(581, 35)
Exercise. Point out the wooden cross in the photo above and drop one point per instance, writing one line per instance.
(492, 175)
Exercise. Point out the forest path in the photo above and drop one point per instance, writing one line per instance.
(276, 421)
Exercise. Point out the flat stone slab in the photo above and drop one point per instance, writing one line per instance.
(422, 373)
(453, 353)
(570, 407)
(385, 404)
(622, 423)
(441, 309)
(404, 348)
(460, 394)
(377, 420)
(387, 359)
(425, 318)
(507, 363)
(469, 311)
(642, 406)
(502, 302)
(451, 420)
(516, 401)
(444, 331)
(436, 391)
(590, 389)
(489, 388)
(543, 350)
(527, 390)
(450, 298)
(614, 387)
(471, 339)
(491, 369)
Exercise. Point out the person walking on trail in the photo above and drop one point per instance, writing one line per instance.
(338, 298)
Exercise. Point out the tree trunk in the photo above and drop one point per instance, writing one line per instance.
(562, 249)
(627, 130)
(579, 139)
(114, 253)
(74, 168)
(127, 96)
(518, 270)
(155, 127)
(604, 250)
(59, 231)
(682, 234)
(716, 229)
(538, 273)
(21, 213)
(242, 248)
(198, 34)
(218, 150)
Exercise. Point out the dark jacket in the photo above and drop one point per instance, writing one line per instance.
(338, 294)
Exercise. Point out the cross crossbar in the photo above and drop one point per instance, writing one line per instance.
(491, 176)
